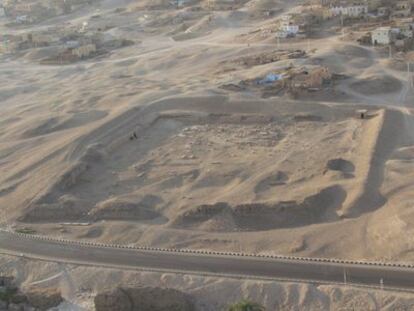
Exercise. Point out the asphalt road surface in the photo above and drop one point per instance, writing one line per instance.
(240, 266)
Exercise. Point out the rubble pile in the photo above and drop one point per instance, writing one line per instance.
(239, 136)
(269, 57)
(292, 80)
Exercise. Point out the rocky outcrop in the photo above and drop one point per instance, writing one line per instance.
(143, 299)
(44, 298)
(116, 299)
(35, 299)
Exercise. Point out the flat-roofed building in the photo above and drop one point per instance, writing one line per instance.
(382, 36)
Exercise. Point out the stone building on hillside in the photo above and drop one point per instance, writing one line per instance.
(349, 10)
(84, 50)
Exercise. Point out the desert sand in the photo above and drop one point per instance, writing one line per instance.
(161, 143)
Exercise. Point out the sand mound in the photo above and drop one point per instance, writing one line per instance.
(55, 124)
(221, 222)
(274, 180)
(72, 176)
(395, 64)
(223, 5)
(201, 214)
(307, 118)
(262, 5)
(345, 57)
(263, 216)
(58, 202)
(219, 178)
(386, 136)
(42, 53)
(118, 209)
(41, 128)
(377, 85)
(153, 5)
(203, 25)
(67, 208)
(92, 233)
(93, 154)
(7, 93)
(353, 51)
(186, 36)
(255, 217)
(404, 154)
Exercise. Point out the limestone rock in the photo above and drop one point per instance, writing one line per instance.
(143, 299)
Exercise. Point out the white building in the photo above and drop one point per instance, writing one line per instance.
(84, 27)
(22, 19)
(382, 35)
(287, 27)
(290, 28)
(355, 10)
(84, 50)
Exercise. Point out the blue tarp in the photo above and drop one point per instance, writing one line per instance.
(270, 78)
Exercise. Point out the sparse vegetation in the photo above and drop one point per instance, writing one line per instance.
(7, 294)
(26, 230)
(246, 305)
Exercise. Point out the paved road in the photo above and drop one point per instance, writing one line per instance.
(249, 267)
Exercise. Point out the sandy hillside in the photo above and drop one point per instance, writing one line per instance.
(171, 140)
